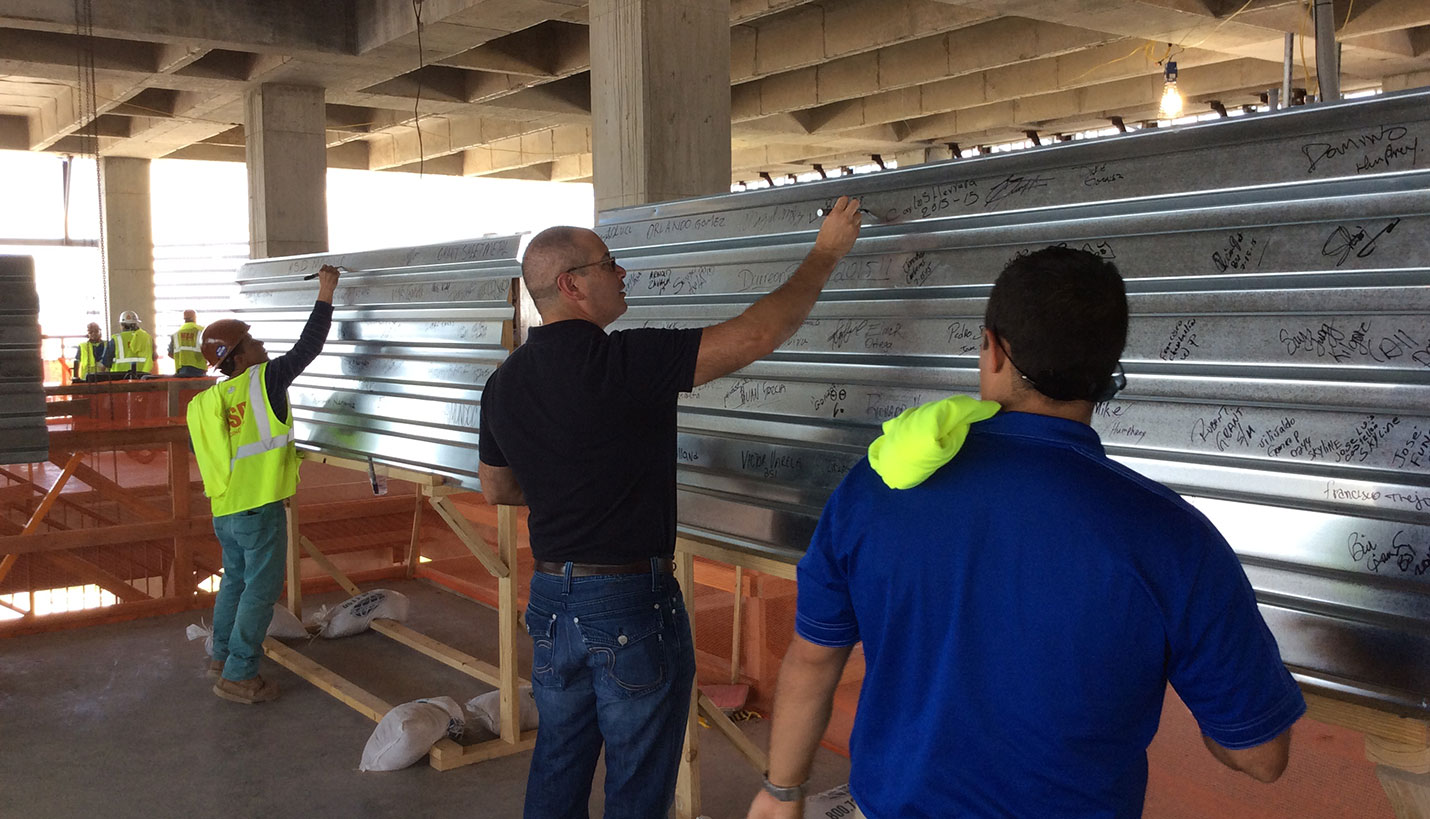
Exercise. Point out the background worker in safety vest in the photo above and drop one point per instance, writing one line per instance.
(242, 431)
(184, 348)
(88, 358)
(131, 350)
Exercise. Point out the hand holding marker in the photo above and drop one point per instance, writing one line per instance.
(824, 211)
(312, 276)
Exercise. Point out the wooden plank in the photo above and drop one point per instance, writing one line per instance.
(295, 559)
(323, 561)
(735, 628)
(392, 472)
(354, 696)
(67, 409)
(440, 651)
(97, 575)
(735, 557)
(506, 626)
(122, 387)
(414, 547)
(6, 564)
(687, 784)
(53, 495)
(462, 528)
(120, 613)
(1414, 758)
(758, 759)
(446, 754)
(103, 536)
(1367, 720)
(163, 431)
(181, 571)
(108, 488)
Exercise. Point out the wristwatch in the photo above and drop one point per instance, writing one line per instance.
(791, 794)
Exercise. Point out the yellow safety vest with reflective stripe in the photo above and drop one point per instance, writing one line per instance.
(186, 347)
(87, 364)
(245, 453)
(133, 350)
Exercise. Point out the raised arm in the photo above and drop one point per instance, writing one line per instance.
(769, 322)
(1264, 762)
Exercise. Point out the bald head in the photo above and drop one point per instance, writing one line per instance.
(548, 254)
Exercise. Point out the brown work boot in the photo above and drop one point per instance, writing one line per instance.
(249, 691)
(215, 669)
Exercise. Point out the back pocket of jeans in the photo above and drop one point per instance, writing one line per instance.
(542, 628)
(630, 645)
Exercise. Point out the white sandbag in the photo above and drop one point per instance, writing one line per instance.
(408, 731)
(285, 625)
(197, 630)
(486, 708)
(355, 614)
(835, 803)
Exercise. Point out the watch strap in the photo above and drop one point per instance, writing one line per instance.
(793, 793)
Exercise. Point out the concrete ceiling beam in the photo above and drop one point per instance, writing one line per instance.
(273, 24)
(976, 48)
(549, 50)
(1381, 16)
(1119, 61)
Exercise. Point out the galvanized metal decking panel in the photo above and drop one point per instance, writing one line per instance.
(416, 332)
(1278, 362)
(24, 438)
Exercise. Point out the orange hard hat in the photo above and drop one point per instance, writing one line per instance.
(221, 338)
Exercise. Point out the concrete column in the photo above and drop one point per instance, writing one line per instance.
(287, 171)
(128, 239)
(660, 99)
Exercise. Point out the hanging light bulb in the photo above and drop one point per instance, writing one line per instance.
(1171, 107)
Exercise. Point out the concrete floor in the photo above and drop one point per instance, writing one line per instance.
(118, 721)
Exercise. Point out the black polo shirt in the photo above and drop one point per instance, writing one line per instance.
(586, 422)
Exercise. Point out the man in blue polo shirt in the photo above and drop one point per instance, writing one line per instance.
(1023, 605)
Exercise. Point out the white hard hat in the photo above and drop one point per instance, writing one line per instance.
(129, 317)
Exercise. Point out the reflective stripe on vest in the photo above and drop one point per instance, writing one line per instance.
(189, 355)
(137, 359)
(266, 439)
(245, 453)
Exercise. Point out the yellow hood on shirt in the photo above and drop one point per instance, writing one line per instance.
(921, 439)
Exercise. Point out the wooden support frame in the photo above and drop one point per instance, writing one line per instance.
(445, 754)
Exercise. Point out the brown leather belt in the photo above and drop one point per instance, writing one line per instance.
(664, 566)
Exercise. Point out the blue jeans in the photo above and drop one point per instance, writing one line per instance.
(255, 546)
(613, 663)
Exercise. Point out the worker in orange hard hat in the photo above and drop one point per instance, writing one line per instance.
(242, 431)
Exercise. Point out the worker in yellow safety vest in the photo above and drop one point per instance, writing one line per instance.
(242, 432)
(131, 350)
(90, 353)
(184, 348)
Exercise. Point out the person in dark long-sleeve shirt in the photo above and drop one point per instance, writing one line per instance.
(242, 432)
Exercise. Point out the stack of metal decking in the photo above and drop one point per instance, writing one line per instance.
(23, 436)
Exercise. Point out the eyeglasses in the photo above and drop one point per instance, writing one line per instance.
(609, 262)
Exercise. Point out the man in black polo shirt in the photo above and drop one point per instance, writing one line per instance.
(579, 425)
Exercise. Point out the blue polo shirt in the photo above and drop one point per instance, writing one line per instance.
(1022, 612)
